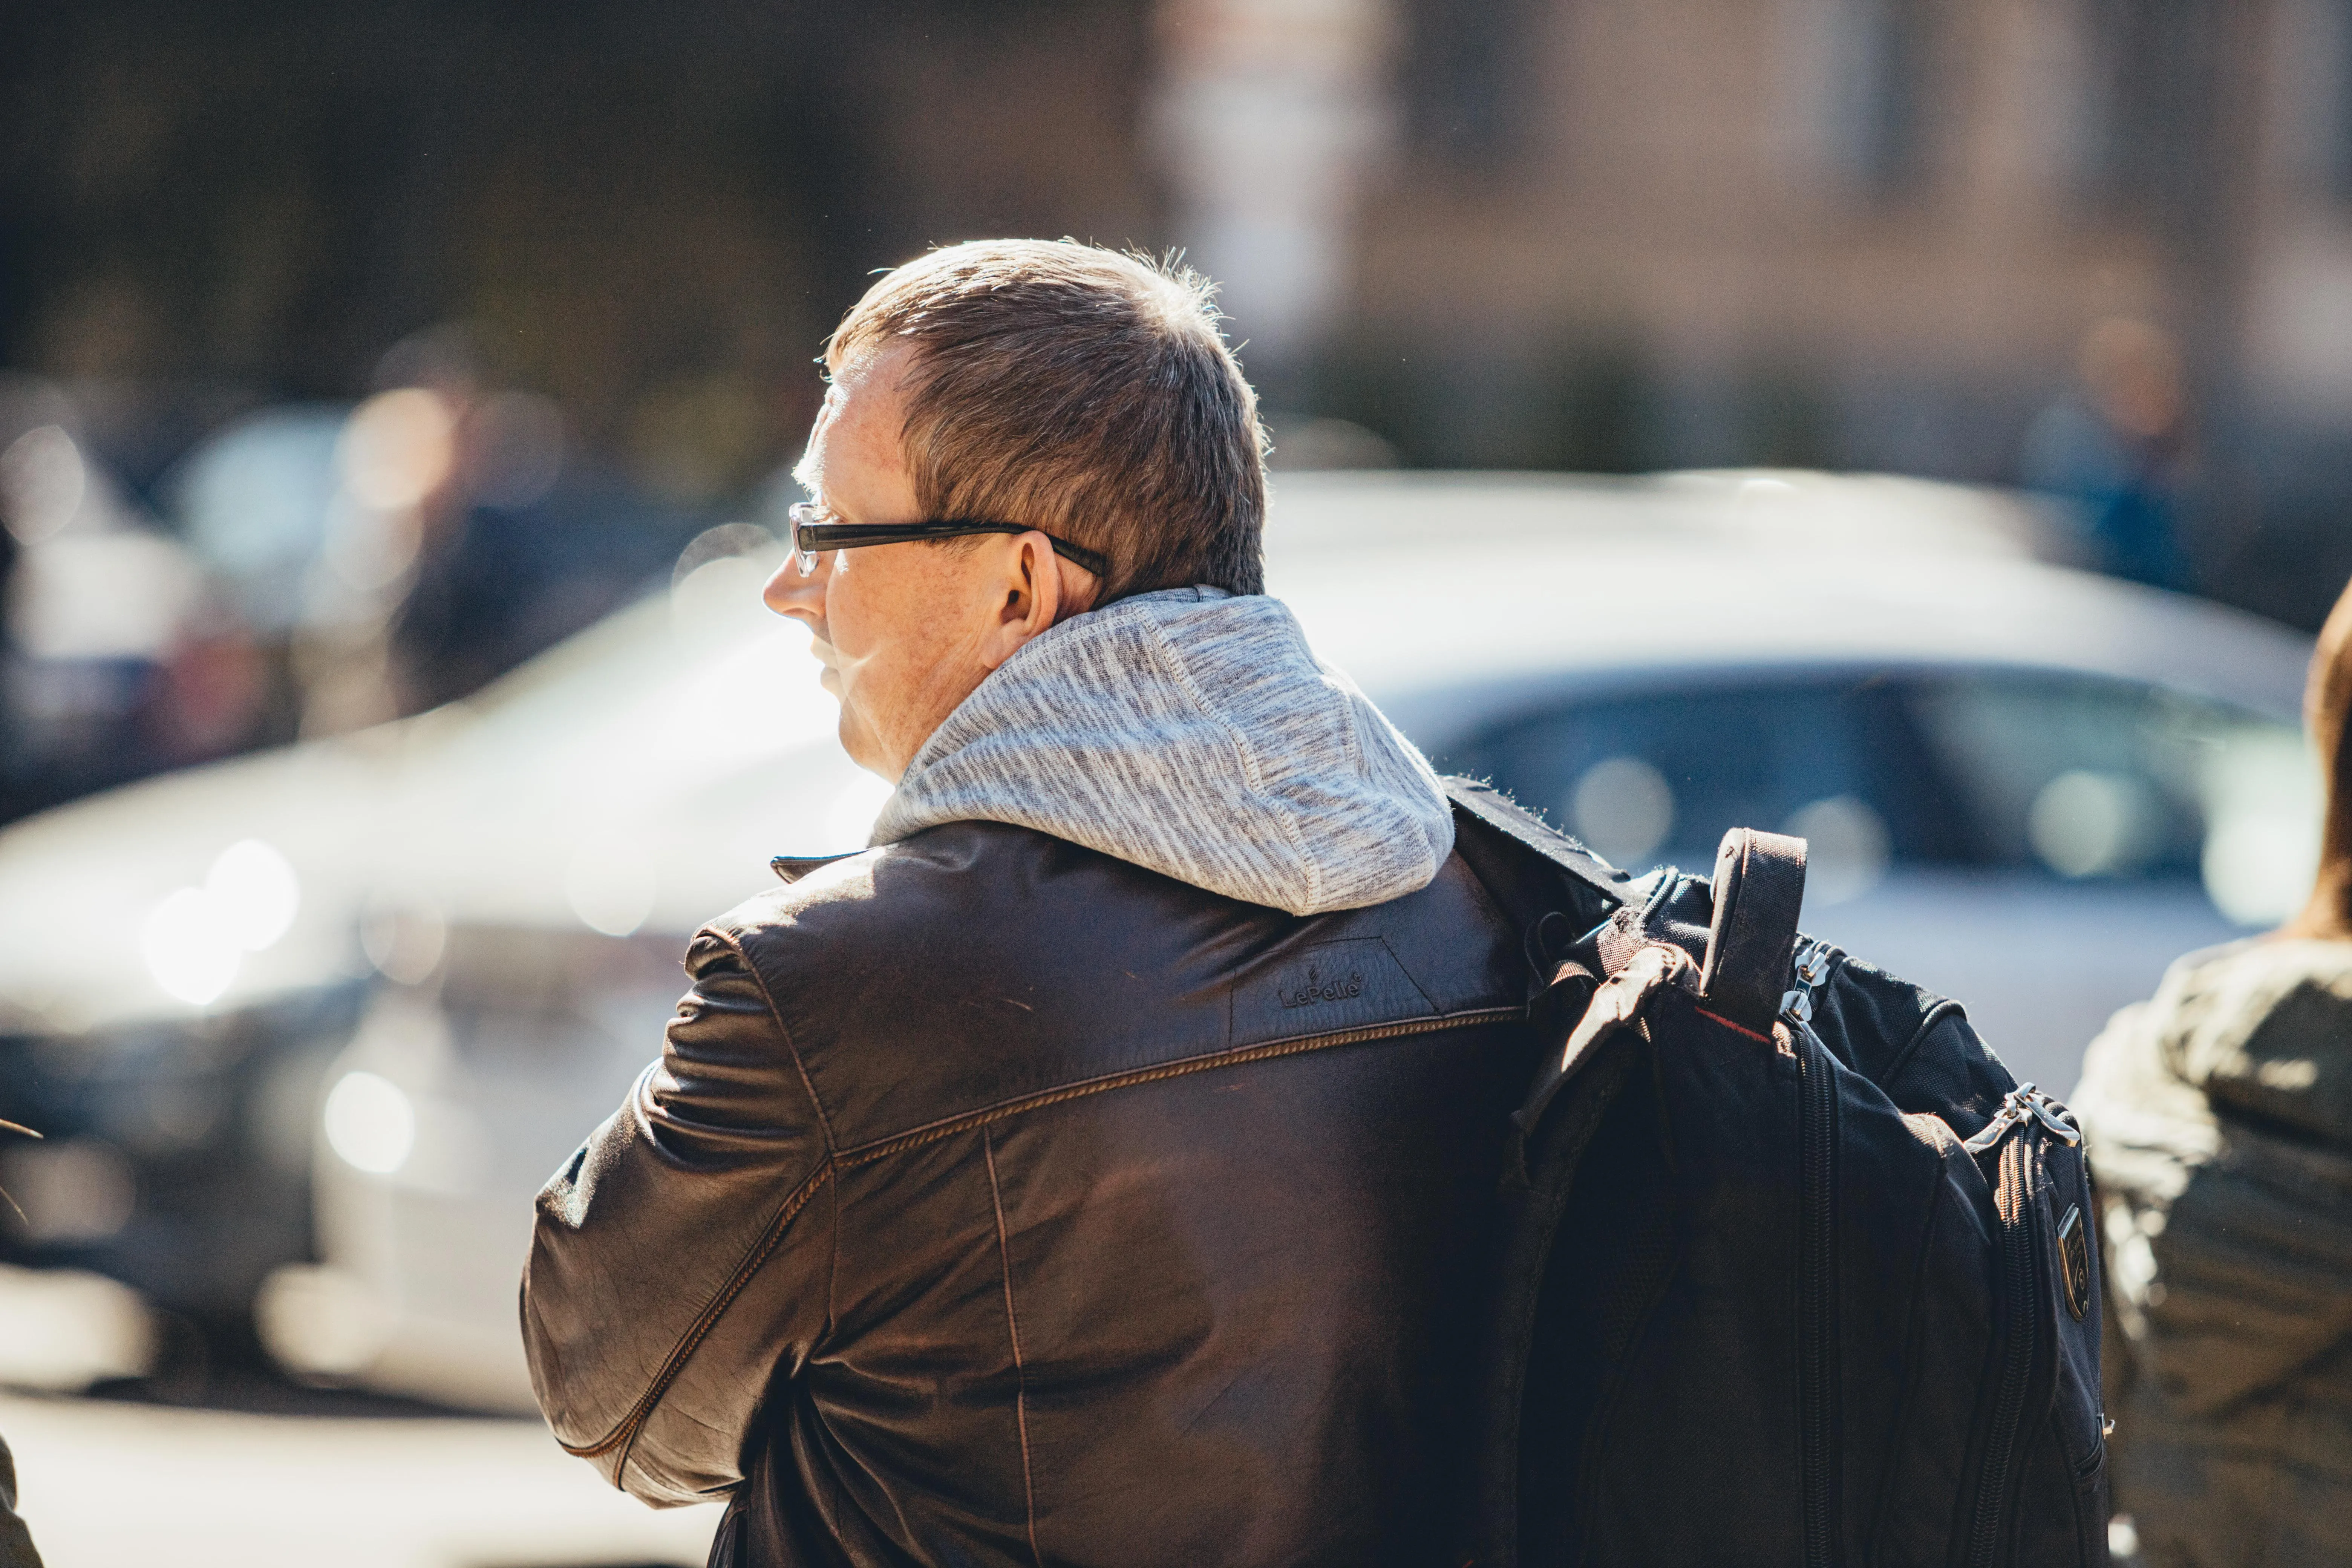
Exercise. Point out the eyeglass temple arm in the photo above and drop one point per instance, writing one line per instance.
(840, 535)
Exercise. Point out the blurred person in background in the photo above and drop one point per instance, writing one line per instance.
(1096, 1169)
(2119, 451)
(122, 654)
(397, 555)
(409, 601)
(2220, 1120)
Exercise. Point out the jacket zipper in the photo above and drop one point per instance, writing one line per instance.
(1817, 1296)
(2014, 1203)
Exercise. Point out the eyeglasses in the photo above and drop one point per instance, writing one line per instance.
(809, 535)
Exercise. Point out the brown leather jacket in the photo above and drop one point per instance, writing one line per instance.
(997, 1201)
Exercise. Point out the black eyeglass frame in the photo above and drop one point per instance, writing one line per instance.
(807, 539)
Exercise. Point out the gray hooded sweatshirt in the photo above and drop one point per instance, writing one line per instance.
(1193, 732)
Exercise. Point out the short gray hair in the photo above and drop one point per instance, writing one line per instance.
(1080, 391)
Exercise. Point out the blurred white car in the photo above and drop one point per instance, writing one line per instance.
(2025, 786)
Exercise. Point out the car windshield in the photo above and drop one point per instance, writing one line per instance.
(2053, 774)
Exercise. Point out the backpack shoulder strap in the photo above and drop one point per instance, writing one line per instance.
(1489, 806)
(1546, 885)
(1751, 940)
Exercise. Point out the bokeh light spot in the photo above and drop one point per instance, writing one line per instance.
(369, 1122)
(1846, 848)
(1623, 808)
(256, 892)
(398, 448)
(189, 949)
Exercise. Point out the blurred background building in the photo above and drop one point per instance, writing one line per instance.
(2100, 248)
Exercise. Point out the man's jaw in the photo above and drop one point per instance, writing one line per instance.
(854, 736)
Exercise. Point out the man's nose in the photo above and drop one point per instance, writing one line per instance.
(790, 593)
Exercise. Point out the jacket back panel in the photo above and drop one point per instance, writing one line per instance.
(1148, 1225)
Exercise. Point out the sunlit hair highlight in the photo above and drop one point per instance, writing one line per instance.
(1080, 391)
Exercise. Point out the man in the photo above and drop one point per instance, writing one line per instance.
(1097, 1169)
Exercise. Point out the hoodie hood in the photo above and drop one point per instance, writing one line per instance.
(1193, 733)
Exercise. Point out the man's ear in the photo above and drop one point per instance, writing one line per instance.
(1031, 598)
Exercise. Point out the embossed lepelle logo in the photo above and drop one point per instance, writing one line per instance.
(1318, 989)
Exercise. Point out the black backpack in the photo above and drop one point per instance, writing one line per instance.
(1794, 1271)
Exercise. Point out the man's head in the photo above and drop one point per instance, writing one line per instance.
(1072, 391)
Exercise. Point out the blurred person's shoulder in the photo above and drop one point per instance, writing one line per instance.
(2258, 1030)
(2256, 997)
(2214, 1001)
(2148, 1128)
(2265, 1033)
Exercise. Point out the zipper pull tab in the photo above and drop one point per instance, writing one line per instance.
(2023, 1107)
(2010, 1117)
(1797, 1002)
(2055, 1118)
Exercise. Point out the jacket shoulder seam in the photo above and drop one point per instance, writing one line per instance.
(1183, 1067)
(791, 1047)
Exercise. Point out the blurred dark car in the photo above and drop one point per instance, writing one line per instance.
(180, 1122)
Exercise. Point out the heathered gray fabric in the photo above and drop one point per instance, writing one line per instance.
(1193, 732)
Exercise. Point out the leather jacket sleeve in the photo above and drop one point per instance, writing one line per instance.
(682, 1258)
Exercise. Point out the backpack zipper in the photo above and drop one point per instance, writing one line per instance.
(2022, 1110)
(2017, 1364)
(1817, 1260)
(1817, 1300)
